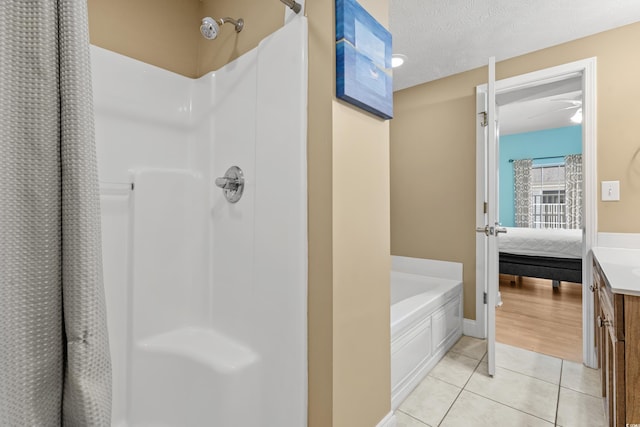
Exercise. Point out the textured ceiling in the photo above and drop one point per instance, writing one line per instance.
(441, 38)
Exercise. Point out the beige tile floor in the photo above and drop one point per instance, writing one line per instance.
(529, 389)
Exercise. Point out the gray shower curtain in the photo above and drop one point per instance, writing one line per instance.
(54, 353)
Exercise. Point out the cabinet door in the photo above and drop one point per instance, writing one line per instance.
(602, 339)
(618, 396)
(632, 358)
(600, 330)
(607, 374)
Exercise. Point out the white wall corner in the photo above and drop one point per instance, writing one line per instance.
(388, 421)
(472, 328)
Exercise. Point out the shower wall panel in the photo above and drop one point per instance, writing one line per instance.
(237, 271)
(280, 245)
(259, 246)
(143, 115)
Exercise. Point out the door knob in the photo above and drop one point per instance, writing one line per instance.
(484, 230)
(602, 322)
(500, 229)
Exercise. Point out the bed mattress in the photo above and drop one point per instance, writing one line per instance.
(556, 243)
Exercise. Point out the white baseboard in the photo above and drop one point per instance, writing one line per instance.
(388, 421)
(471, 328)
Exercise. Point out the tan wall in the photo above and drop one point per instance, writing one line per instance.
(166, 33)
(432, 174)
(349, 247)
(433, 150)
(163, 33)
(320, 204)
(361, 248)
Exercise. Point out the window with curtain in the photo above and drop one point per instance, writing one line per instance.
(548, 196)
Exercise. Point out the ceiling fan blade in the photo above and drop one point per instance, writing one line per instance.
(554, 111)
(575, 102)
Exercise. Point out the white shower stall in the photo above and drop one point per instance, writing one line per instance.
(206, 299)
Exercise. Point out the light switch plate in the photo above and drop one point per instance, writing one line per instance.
(610, 191)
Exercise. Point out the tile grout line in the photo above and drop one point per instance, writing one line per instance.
(580, 392)
(450, 383)
(510, 407)
(411, 416)
(549, 382)
(530, 376)
(559, 385)
(558, 399)
(461, 390)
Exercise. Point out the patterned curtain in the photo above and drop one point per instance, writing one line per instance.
(522, 188)
(55, 368)
(573, 190)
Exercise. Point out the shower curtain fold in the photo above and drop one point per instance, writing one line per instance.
(54, 354)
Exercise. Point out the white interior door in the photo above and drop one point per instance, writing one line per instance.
(484, 328)
(487, 222)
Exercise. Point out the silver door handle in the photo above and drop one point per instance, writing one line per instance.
(500, 229)
(484, 230)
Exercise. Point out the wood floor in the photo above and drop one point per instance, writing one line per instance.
(536, 317)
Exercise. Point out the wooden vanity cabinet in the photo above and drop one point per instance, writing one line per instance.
(617, 318)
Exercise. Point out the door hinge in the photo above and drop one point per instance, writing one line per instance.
(483, 123)
(484, 298)
(484, 207)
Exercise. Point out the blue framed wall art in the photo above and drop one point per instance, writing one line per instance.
(363, 60)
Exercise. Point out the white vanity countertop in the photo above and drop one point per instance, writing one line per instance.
(622, 268)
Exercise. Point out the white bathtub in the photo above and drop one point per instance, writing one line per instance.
(426, 320)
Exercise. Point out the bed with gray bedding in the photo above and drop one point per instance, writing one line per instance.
(554, 254)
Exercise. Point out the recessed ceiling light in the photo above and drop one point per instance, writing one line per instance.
(397, 59)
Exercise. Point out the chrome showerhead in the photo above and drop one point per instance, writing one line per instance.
(211, 27)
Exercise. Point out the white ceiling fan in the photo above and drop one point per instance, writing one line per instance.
(553, 105)
(575, 103)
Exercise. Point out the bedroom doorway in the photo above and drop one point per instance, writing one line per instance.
(540, 255)
(537, 312)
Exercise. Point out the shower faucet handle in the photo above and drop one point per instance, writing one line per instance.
(229, 182)
(232, 184)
